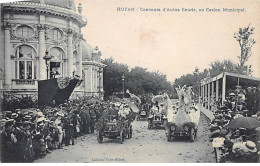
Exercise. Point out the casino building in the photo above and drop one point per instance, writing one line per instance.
(36, 29)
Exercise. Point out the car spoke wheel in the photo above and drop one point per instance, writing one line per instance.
(168, 135)
(131, 132)
(99, 137)
(149, 125)
(121, 137)
(192, 134)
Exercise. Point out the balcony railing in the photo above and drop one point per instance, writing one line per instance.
(24, 81)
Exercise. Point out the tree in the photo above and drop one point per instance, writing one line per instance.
(138, 80)
(246, 42)
(113, 76)
(218, 67)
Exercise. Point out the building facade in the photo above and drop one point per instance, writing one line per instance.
(33, 29)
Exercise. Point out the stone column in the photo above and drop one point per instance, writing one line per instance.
(42, 49)
(80, 57)
(70, 54)
(8, 66)
(223, 87)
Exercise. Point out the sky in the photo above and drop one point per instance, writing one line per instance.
(173, 43)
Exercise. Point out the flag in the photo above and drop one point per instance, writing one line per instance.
(55, 89)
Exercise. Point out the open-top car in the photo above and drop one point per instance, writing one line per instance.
(156, 119)
(114, 129)
(158, 113)
(183, 120)
(143, 113)
(188, 130)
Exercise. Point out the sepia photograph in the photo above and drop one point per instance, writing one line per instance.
(130, 81)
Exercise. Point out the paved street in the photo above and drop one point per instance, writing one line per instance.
(145, 146)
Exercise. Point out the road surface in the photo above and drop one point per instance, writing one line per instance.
(147, 145)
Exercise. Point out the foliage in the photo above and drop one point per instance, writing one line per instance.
(246, 42)
(10, 103)
(138, 80)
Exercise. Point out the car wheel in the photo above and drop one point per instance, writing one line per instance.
(168, 135)
(131, 132)
(192, 134)
(121, 137)
(149, 125)
(99, 137)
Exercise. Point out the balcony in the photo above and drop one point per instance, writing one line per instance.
(24, 81)
(25, 84)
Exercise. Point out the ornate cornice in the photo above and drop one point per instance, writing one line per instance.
(46, 10)
(7, 26)
(41, 27)
(94, 63)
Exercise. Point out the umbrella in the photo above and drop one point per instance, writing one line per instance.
(244, 122)
(133, 107)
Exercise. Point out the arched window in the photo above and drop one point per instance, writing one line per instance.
(25, 31)
(56, 53)
(56, 62)
(25, 66)
(55, 34)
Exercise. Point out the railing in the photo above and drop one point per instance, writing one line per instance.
(24, 81)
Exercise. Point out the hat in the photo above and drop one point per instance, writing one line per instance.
(231, 94)
(254, 87)
(18, 111)
(238, 86)
(25, 113)
(60, 114)
(9, 122)
(40, 114)
(30, 111)
(249, 87)
(8, 113)
(14, 115)
(27, 117)
(251, 146)
(40, 119)
(41, 124)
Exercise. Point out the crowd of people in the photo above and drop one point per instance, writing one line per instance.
(240, 142)
(29, 134)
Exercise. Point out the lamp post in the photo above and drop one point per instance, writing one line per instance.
(123, 85)
(47, 57)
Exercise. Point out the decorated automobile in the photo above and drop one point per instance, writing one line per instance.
(114, 129)
(183, 119)
(116, 123)
(142, 114)
(158, 112)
